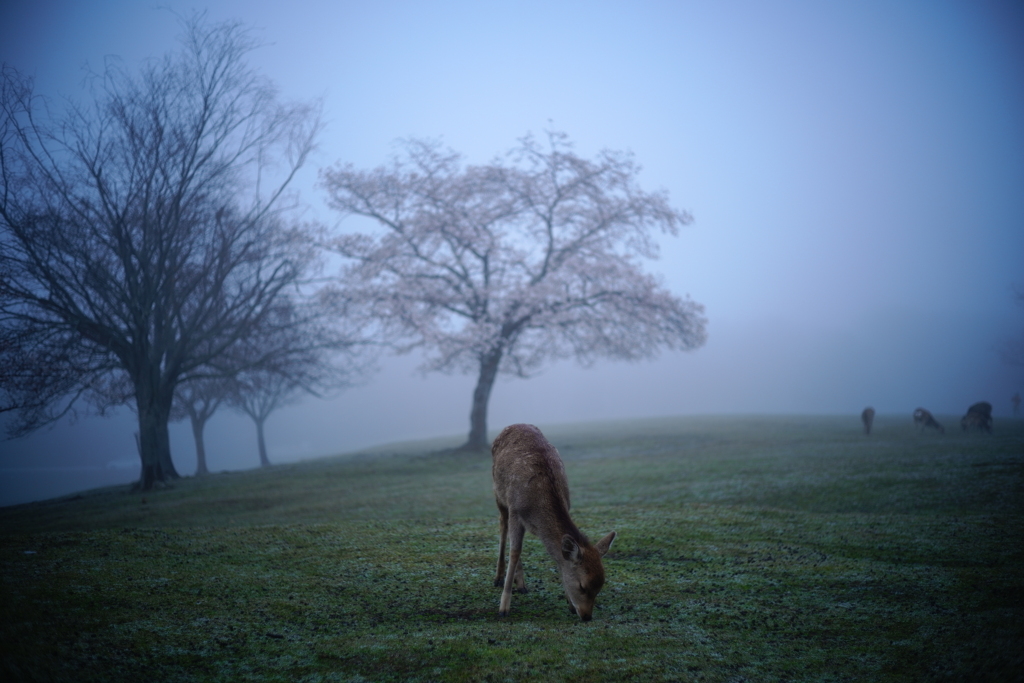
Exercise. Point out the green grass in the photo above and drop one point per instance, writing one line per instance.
(749, 549)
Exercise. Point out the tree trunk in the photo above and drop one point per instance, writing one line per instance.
(154, 442)
(166, 464)
(154, 438)
(481, 395)
(197, 434)
(264, 462)
(151, 472)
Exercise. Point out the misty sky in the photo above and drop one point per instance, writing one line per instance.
(855, 171)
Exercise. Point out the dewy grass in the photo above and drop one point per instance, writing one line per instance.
(757, 549)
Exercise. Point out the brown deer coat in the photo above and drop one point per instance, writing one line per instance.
(532, 493)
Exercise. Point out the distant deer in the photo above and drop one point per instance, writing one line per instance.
(979, 416)
(923, 418)
(531, 492)
(868, 418)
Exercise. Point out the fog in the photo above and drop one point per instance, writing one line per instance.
(855, 171)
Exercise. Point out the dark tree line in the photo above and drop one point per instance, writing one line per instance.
(148, 257)
(144, 242)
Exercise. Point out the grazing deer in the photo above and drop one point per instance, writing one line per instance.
(923, 418)
(868, 418)
(979, 416)
(531, 492)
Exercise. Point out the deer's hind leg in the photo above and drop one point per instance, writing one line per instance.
(514, 573)
(499, 575)
(519, 581)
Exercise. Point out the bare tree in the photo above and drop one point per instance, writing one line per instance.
(141, 238)
(315, 347)
(499, 268)
(258, 394)
(327, 351)
(198, 400)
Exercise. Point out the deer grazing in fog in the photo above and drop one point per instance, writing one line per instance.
(923, 418)
(979, 416)
(531, 492)
(868, 418)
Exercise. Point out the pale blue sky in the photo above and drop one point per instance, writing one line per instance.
(855, 169)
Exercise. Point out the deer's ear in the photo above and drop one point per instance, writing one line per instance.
(605, 543)
(570, 549)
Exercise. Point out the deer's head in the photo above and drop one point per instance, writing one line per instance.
(583, 573)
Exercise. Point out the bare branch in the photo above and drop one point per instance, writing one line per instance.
(143, 237)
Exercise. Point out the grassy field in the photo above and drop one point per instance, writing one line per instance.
(749, 549)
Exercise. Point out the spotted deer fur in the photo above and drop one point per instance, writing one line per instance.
(532, 493)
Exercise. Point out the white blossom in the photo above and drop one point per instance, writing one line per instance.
(499, 268)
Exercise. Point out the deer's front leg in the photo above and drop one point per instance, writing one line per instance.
(515, 537)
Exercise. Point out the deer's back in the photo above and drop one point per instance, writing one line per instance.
(528, 472)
